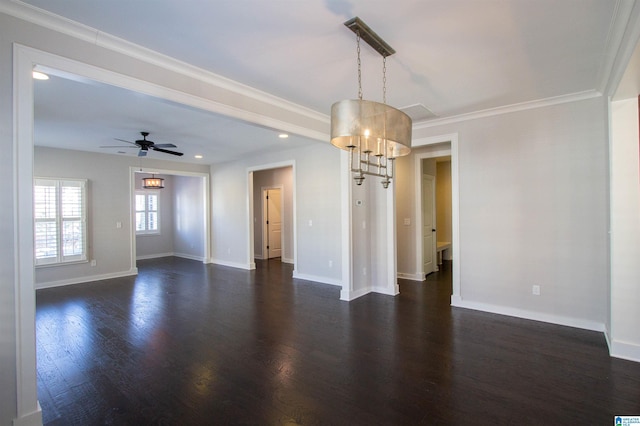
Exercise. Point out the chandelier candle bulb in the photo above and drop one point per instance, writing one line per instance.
(370, 127)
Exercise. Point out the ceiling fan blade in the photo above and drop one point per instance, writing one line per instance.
(122, 140)
(142, 153)
(166, 151)
(164, 145)
(118, 146)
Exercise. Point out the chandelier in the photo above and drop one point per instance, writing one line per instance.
(374, 133)
(153, 182)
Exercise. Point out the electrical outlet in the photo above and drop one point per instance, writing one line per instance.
(407, 222)
(535, 290)
(93, 262)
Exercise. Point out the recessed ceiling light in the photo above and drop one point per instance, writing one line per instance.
(40, 75)
(198, 156)
(283, 135)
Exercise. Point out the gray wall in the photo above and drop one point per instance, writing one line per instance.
(110, 203)
(317, 175)
(533, 210)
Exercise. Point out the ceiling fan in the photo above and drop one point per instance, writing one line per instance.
(145, 145)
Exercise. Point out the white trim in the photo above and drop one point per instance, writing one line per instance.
(346, 219)
(507, 109)
(86, 279)
(412, 277)
(98, 38)
(385, 290)
(452, 139)
(531, 315)
(189, 257)
(30, 419)
(154, 256)
(286, 260)
(247, 266)
(391, 285)
(621, 43)
(348, 296)
(317, 279)
(625, 350)
(28, 408)
(250, 208)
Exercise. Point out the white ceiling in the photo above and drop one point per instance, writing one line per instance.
(453, 56)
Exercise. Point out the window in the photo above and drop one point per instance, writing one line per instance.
(60, 227)
(147, 214)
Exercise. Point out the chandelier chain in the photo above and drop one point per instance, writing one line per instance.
(359, 66)
(384, 79)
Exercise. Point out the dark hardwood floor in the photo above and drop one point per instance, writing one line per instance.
(190, 344)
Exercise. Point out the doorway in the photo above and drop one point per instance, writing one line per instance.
(272, 222)
(277, 238)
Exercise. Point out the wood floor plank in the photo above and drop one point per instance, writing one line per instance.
(185, 343)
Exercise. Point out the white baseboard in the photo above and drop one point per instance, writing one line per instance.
(247, 266)
(412, 277)
(316, 278)
(386, 290)
(348, 295)
(286, 260)
(86, 279)
(182, 255)
(189, 256)
(153, 256)
(32, 419)
(625, 350)
(530, 315)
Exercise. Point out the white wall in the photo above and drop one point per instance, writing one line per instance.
(625, 231)
(533, 210)
(317, 183)
(8, 232)
(282, 176)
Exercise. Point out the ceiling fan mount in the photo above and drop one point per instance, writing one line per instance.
(145, 145)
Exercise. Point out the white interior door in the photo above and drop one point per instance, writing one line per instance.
(273, 223)
(428, 224)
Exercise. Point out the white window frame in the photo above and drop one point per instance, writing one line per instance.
(60, 257)
(146, 194)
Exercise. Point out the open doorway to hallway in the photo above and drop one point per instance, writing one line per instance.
(435, 232)
(434, 209)
(273, 218)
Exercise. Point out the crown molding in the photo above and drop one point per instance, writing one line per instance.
(98, 38)
(507, 109)
(622, 39)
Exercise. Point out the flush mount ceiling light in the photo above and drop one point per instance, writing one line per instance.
(153, 182)
(374, 133)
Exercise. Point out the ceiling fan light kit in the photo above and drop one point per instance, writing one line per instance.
(374, 133)
(145, 145)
